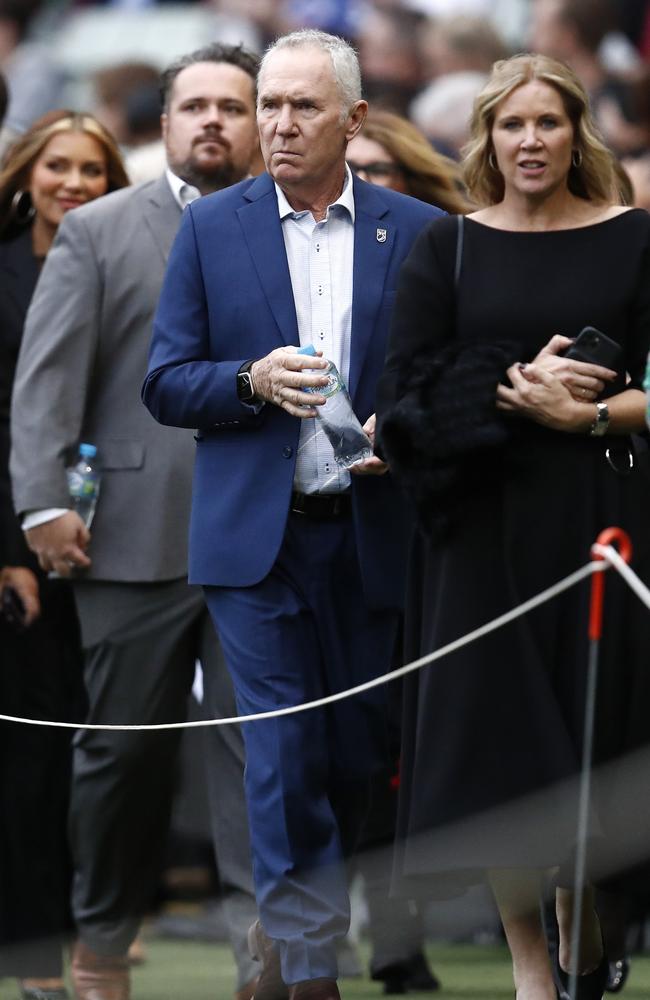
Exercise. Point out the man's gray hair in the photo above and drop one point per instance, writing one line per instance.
(345, 63)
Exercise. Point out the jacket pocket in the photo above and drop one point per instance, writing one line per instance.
(121, 454)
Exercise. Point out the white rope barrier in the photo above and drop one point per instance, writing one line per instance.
(609, 553)
(610, 557)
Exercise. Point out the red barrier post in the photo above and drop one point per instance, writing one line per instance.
(606, 537)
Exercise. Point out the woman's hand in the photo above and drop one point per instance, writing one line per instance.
(542, 396)
(372, 466)
(584, 381)
(25, 583)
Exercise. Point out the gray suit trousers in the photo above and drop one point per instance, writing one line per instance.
(141, 642)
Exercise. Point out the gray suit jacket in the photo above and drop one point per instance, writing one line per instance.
(82, 362)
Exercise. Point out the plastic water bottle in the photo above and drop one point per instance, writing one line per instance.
(337, 418)
(83, 483)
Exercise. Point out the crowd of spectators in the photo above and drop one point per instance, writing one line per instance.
(425, 59)
(422, 59)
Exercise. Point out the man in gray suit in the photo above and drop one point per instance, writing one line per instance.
(83, 359)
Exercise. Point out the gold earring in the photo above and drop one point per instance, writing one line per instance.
(576, 158)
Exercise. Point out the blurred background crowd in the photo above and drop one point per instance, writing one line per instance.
(425, 59)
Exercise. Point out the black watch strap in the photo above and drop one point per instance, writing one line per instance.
(245, 390)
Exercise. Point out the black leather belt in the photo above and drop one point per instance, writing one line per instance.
(321, 505)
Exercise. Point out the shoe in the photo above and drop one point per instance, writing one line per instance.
(618, 973)
(271, 985)
(36, 993)
(315, 989)
(401, 977)
(591, 985)
(247, 992)
(99, 977)
(420, 977)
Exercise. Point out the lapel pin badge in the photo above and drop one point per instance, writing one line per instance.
(381, 236)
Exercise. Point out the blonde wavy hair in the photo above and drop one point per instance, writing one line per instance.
(428, 175)
(594, 179)
(20, 158)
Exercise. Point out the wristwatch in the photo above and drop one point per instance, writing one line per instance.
(601, 423)
(245, 389)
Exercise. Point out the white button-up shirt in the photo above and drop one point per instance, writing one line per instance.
(321, 258)
(184, 193)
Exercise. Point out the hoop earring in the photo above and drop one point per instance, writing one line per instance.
(21, 208)
(492, 160)
(576, 158)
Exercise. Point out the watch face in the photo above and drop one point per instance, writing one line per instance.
(244, 386)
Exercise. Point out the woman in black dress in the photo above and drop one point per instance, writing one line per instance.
(63, 160)
(502, 442)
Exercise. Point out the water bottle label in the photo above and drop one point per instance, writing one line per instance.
(80, 485)
(334, 385)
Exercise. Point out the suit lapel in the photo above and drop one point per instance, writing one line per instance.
(162, 214)
(262, 229)
(374, 240)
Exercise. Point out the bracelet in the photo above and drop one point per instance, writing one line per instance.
(600, 425)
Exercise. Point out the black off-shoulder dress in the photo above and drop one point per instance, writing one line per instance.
(492, 734)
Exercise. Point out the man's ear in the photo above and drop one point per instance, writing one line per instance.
(163, 126)
(356, 118)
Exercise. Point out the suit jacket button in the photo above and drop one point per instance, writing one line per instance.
(287, 451)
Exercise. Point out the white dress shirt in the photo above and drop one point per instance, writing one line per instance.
(321, 258)
(184, 193)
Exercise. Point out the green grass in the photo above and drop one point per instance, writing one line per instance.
(188, 971)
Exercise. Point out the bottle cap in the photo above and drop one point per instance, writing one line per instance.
(87, 450)
(309, 349)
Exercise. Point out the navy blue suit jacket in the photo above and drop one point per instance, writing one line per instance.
(227, 298)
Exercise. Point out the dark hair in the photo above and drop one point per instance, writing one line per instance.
(4, 98)
(591, 20)
(20, 13)
(217, 52)
(114, 84)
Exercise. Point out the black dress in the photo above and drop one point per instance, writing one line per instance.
(40, 677)
(492, 734)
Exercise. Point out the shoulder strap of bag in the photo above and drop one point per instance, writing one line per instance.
(460, 219)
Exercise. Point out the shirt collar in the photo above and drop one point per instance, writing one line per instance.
(345, 199)
(183, 192)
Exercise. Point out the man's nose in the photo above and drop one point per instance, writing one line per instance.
(285, 123)
(213, 116)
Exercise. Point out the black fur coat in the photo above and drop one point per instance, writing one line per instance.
(443, 437)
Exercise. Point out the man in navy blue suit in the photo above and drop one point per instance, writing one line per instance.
(301, 561)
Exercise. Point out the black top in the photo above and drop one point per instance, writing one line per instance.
(501, 720)
(19, 271)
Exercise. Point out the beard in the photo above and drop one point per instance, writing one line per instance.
(209, 177)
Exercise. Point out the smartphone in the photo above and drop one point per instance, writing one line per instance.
(595, 348)
(12, 609)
